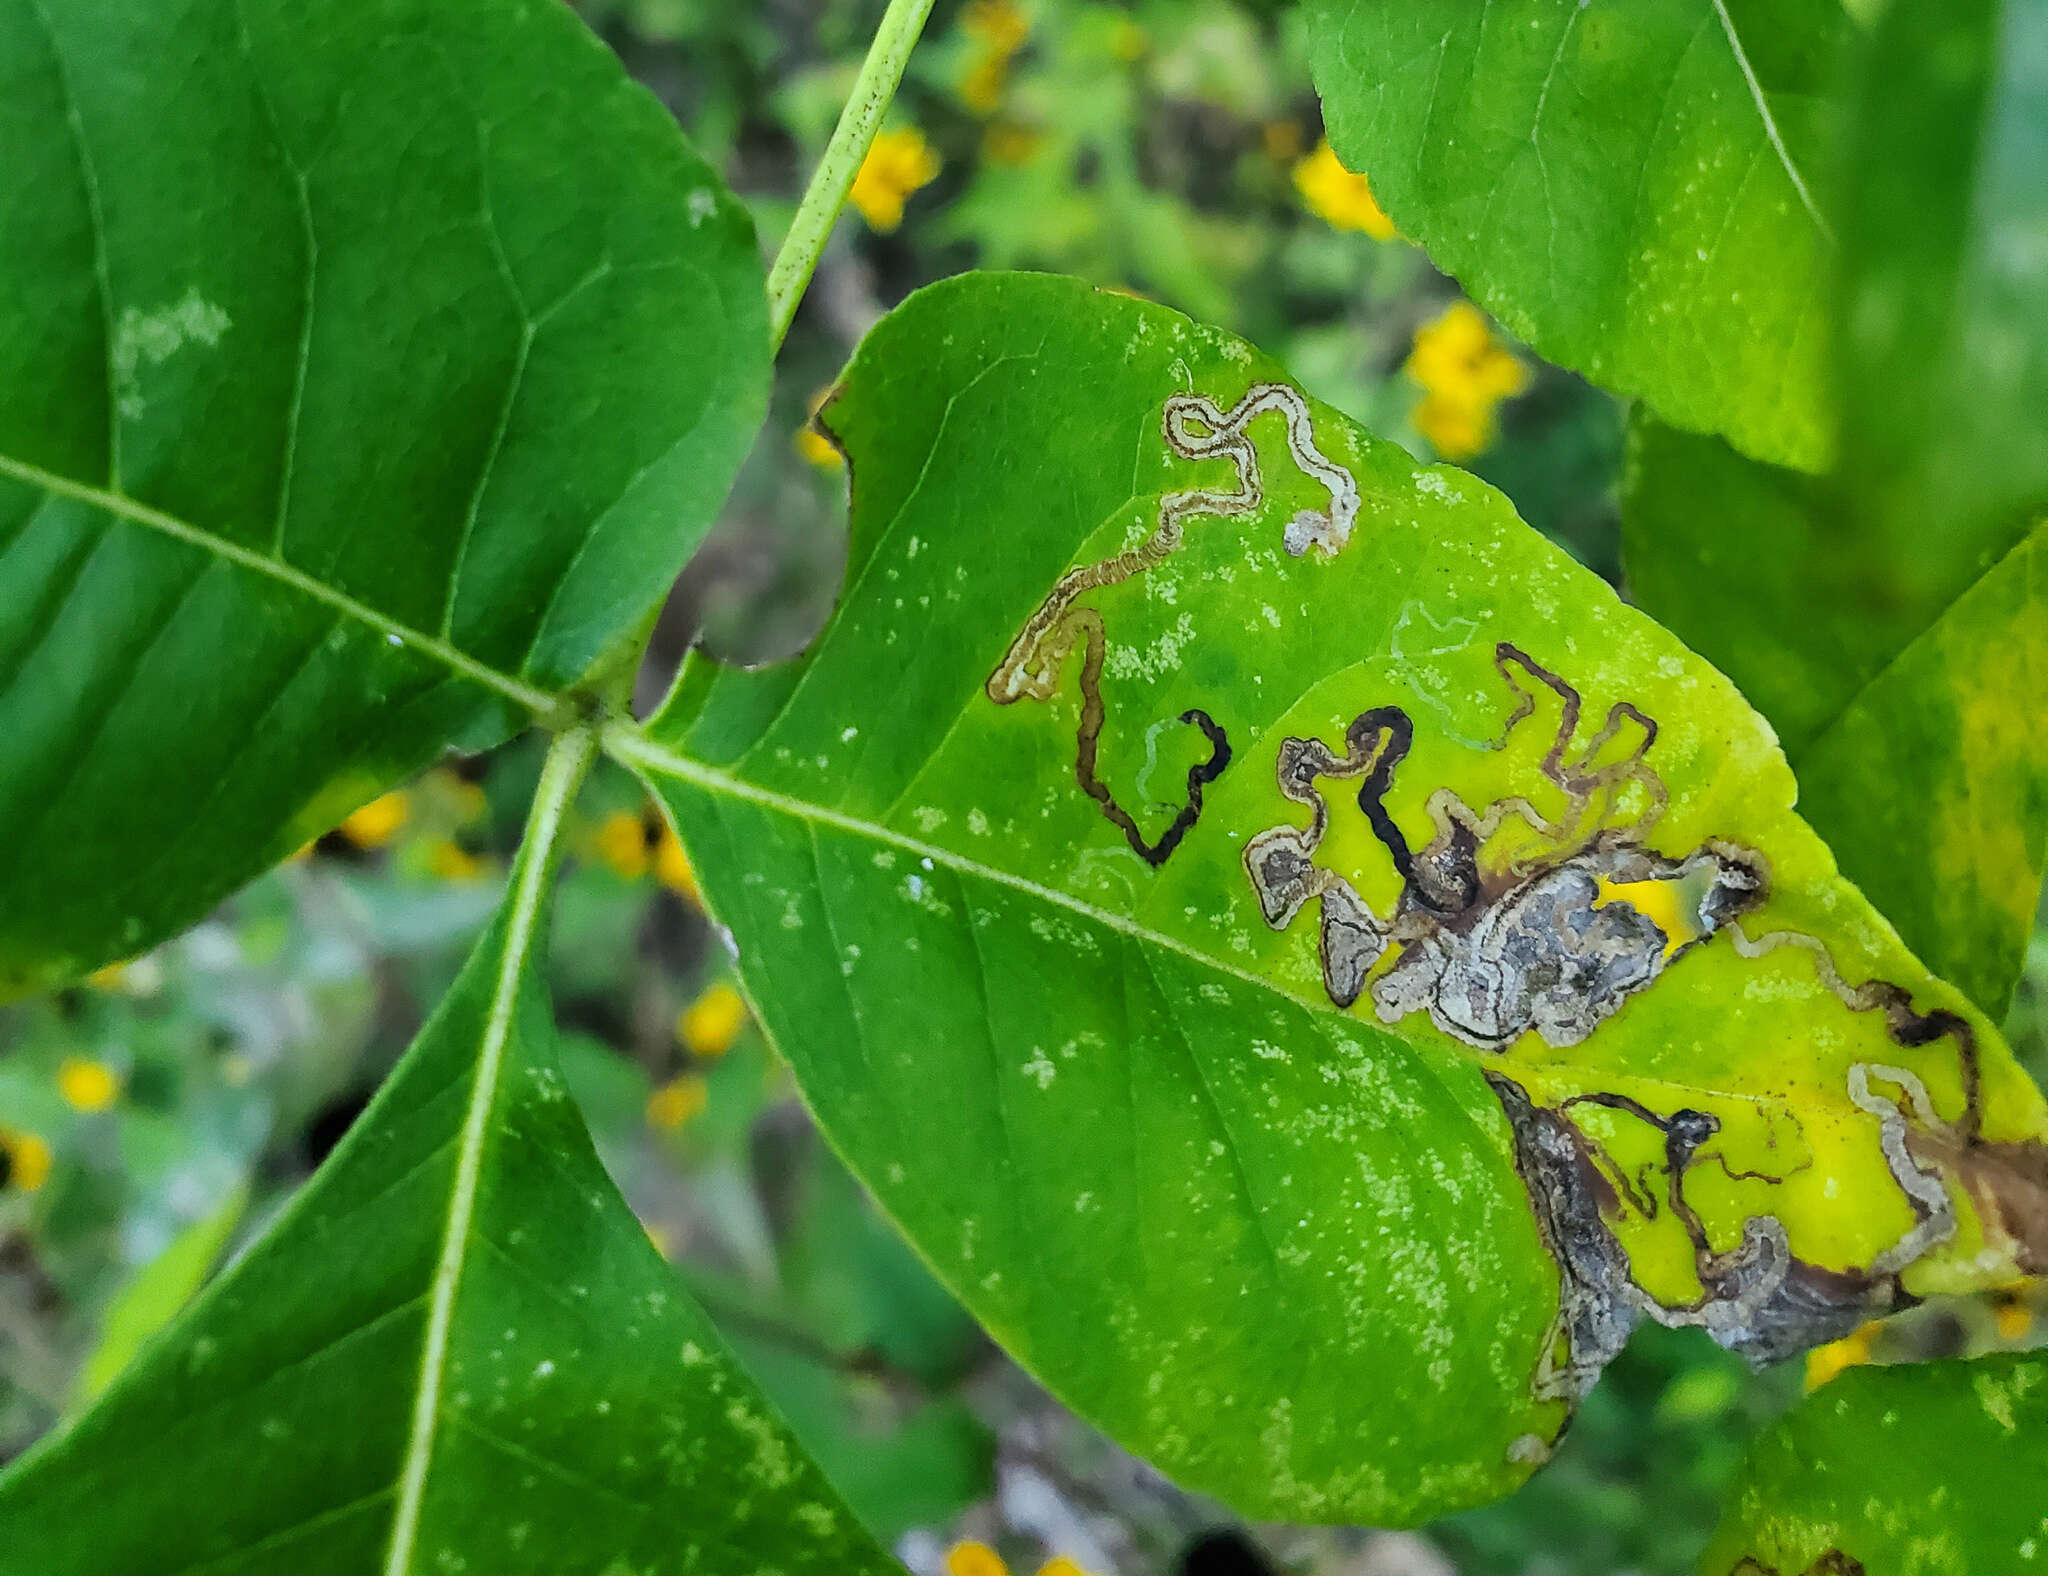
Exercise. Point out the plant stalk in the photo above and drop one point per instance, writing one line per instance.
(833, 179)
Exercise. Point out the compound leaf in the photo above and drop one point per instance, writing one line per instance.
(1933, 1470)
(1239, 899)
(1629, 185)
(366, 372)
(456, 1349)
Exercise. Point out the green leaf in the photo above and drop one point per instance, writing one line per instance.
(1628, 185)
(1914, 730)
(153, 1297)
(456, 1349)
(1944, 311)
(1932, 1470)
(366, 372)
(1021, 887)
(1932, 787)
(1889, 619)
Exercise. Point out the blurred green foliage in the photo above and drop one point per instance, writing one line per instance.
(156, 1117)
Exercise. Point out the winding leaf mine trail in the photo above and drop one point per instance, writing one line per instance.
(1553, 941)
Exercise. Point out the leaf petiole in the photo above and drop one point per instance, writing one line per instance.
(833, 179)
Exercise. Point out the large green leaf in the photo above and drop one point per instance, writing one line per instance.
(455, 1350)
(367, 368)
(1914, 729)
(1931, 1470)
(1629, 185)
(1944, 309)
(1889, 619)
(1022, 864)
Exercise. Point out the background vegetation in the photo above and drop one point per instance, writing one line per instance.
(155, 1118)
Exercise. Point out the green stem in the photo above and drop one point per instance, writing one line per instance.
(858, 123)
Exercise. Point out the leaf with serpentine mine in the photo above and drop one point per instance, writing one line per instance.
(1305, 963)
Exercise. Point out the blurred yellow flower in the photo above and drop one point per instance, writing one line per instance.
(450, 861)
(1000, 25)
(999, 29)
(812, 444)
(1851, 1351)
(377, 822)
(672, 865)
(27, 1160)
(621, 842)
(710, 1024)
(676, 1101)
(898, 163)
(2011, 1316)
(1345, 200)
(970, 1558)
(983, 86)
(1464, 374)
(87, 1085)
(1060, 1565)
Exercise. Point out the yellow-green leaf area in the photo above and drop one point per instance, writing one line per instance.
(1407, 825)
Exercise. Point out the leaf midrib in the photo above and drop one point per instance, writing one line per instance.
(563, 774)
(629, 745)
(1770, 122)
(544, 704)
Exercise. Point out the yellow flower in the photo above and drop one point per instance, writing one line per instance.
(710, 1024)
(812, 444)
(676, 1101)
(1000, 25)
(970, 1558)
(1342, 198)
(376, 822)
(2011, 1316)
(87, 1085)
(1060, 1565)
(24, 1160)
(1852, 1350)
(621, 842)
(672, 865)
(983, 87)
(450, 861)
(898, 163)
(1464, 373)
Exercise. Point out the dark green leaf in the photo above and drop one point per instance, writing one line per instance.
(1628, 185)
(1915, 732)
(455, 1350)
(1889, 619)
(367, 369)
(1944, 311)
(1258, 1205)
(1931, 1470)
